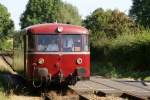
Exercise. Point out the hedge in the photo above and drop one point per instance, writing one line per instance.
(129, 50)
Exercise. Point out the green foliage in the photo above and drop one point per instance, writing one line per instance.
(18, 59)
(140, 11)
(6, 44)
(103, 69)
(109, 24)
(6, 29)
(69, 14)
(40, 11)
(127, 50)
(126, 56)
(6, 24)
(110, 71)
(130, 50)
(119, 47)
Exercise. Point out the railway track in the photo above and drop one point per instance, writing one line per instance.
(7, 58)
(59, 93)
(6, 62)
(97, 88)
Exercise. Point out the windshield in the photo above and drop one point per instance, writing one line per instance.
(55, 43)
(48, 43)
(71, 43)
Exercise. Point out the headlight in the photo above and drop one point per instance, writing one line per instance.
(41, 61)
(79, 61)
(59, 29)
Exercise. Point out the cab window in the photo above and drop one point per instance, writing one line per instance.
(71, 43)
(43, 43)
(48, 42)
(85, 43)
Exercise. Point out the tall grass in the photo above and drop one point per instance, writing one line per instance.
(2, 96)
(3, 70)
(19, 60)
(110, 71)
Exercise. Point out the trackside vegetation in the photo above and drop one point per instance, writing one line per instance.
(124, 56)
(119, 43)
(120, 47)
(2, 96)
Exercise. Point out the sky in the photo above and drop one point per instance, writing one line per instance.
(85, 7)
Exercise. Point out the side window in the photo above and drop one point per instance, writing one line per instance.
(71, 43)
(31, 42)
(85, 43)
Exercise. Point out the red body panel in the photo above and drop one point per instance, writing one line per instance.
(53, 62)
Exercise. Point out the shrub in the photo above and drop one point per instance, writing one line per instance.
(130, 50)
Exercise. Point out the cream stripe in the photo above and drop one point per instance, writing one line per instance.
(59, 53)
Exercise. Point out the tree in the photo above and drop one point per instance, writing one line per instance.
(6, 29)
(40, 11)
(109, 24)
(69, 14)
(140, 11)
(6, 24)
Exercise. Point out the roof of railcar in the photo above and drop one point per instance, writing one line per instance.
(51, 28)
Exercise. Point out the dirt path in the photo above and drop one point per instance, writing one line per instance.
(15, 97)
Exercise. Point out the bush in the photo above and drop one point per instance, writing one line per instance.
(127, 55)
(6, 44)
(130, 51)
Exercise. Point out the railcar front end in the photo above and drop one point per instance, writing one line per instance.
(56, 53)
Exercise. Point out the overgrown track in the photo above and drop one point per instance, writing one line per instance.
(6, 61)
(7, 53)
(96, 88)
(58, 92)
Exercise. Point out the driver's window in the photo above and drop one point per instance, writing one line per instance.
(71, 43)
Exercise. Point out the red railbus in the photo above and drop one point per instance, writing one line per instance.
(56, 52)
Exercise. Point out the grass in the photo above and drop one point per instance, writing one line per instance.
(2, 96)
(19, 61)
(18, 66)
(110, 71)
(3, 70)
(147, 78)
